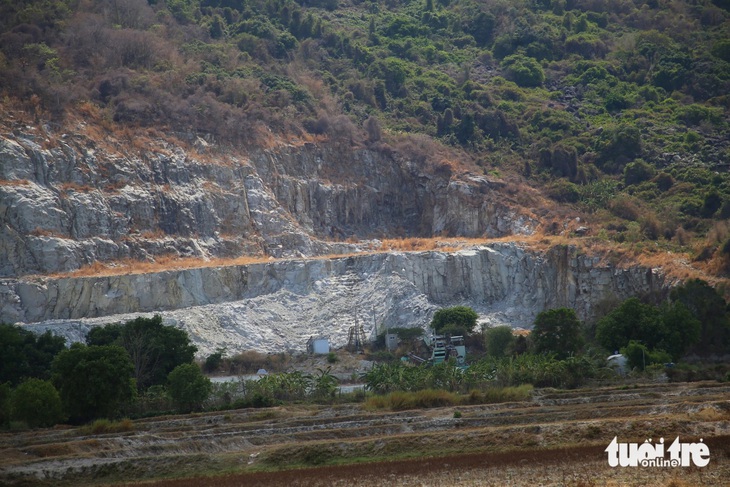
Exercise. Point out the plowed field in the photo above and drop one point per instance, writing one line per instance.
(556, 438)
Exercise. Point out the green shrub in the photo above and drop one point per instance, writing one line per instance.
(664, 181)
(214, 361)
(639, 356)
(37, 403)
(625, 207)
(188, 387)
(563, 191)
(637, 172)
(523, 70)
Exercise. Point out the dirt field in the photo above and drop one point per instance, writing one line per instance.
(556, 438)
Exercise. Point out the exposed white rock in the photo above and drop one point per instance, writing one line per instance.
(277, 306)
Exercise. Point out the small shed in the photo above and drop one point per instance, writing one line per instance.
(318, 345)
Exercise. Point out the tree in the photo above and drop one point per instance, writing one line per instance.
(37, 403)
(155, 349)
(632, 320)
(639, 356)
(93, 381)
(557, 331)
(5, 392)
(23, 354)
(457, 320)
(482, 28)
(709, 307)
(680, 330)
(188, 387)
(104, 335)
(499, 340)
(214, 360)
(618, 146)
(465, 129)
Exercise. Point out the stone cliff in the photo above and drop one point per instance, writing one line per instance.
(278, 305)
(76, 200)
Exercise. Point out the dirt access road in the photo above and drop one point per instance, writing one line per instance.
(555, 438)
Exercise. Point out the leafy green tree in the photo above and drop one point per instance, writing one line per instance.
(711, 203)
(214, 360)
(465, 129)
(721, 49)
(455, 320)
(619, 145)
(23, 354)
(93, 381)
(709, 307)
(639, 356)
(632, 320)
(37, 403)
(5, 392)
(499, 340)
(680, 330)
(672, 328)
(104, 335)
(557, 331)
(188, 387)
(482, 28)
(393, 72)
(155, 349)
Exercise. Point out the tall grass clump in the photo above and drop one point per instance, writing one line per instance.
(104, 426)
(400, 401)
(492, 395)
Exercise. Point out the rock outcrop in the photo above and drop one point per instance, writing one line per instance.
(82, 200)
(278, 305)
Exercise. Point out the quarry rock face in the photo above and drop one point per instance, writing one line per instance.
(79, 202)
(76, 201)
(278, 305)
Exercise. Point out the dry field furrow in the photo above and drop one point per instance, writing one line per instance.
(556, 438)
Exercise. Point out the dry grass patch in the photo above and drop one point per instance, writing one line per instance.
(104, 426)
(14, 182)
(401, 401)
(160, 264)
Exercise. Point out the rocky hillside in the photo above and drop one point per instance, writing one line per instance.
(69, 200)
(135, 131)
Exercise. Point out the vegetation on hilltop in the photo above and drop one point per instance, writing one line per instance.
(617, 108)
